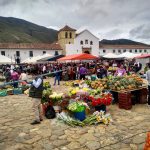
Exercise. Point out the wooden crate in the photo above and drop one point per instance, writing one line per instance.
(143, 96)
(124, 100)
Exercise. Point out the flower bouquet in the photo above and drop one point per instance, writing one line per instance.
(101, 101)
(78, 109)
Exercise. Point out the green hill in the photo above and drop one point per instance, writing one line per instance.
(121, 42)
(21, 31)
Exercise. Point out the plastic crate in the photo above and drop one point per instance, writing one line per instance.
(17, 91)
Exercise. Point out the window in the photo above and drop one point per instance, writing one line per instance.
(124, 50)
(140, 51)
(145, 51)
(30, 53)
(18, 53)
(104, 51)
(66, 35)
(86, 41)
(119, 51)
(69, 42)
(135, 50)
(70, 35)
(44, 52)
(3, 53)
(91, 42)
(131, 50)
(77, 50)
(81, 42)
(56, 53)
(114, 51)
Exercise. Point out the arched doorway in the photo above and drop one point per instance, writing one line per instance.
(87, 52)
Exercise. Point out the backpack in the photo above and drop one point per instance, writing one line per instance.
(50, 112)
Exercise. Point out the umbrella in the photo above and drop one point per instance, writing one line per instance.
(31, 59)
(6, 60)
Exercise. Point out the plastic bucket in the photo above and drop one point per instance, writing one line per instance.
(80, 115)
(100, 108)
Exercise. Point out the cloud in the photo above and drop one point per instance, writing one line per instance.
(114, 18)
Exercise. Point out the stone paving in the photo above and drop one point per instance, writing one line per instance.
(127, 132)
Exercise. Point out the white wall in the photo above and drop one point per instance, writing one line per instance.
(122, 51)
(76, 48)
(24, 53)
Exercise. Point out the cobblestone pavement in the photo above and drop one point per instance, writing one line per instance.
(127, 132)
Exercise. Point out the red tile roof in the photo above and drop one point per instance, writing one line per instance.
(67, 28)
(110, 46)
(53, 46)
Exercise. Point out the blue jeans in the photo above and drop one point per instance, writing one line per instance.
(57, 78)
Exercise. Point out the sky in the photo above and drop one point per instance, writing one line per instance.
(107, 19)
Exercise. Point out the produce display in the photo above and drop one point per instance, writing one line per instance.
(56, 97)
(95, 118)
(117, 83)
(124, 83)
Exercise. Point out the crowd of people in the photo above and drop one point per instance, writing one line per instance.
(70, 71)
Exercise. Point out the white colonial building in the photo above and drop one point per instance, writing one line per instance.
(84, 42)
(20, 52)
(118, 49)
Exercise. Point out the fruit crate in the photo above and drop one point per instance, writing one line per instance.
(143, 96)
(124, 100)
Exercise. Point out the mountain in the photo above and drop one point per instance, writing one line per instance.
(16, 30)
(121, 42)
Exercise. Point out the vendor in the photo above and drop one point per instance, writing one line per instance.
(35, 92)
(101, 71)
(120, 71)
(148, 79)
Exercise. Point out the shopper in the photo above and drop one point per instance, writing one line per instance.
(148, 79)
(15, 78)
(82, 72)
(57, 76)
(7, 74)
(35, 92)
(23, 76)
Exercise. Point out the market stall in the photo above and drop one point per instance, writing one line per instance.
(82, 56)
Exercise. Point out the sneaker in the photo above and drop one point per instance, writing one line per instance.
(35, 122)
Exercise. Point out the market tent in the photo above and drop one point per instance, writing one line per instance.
(6, 60)
(44, 57)
(31, 59)
(82, 56)
(128, 55)
(143, 56)
(110, 55)
(54, 58)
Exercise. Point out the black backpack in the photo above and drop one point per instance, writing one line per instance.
(50, 112)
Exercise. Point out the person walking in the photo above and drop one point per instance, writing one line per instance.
(57, 76)
(148, 79)
(35, 92)
(15, 78)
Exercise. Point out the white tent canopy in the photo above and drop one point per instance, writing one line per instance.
(128, 55)
(6, 60)
(44, 57)
(37, 58)
(110, 55)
